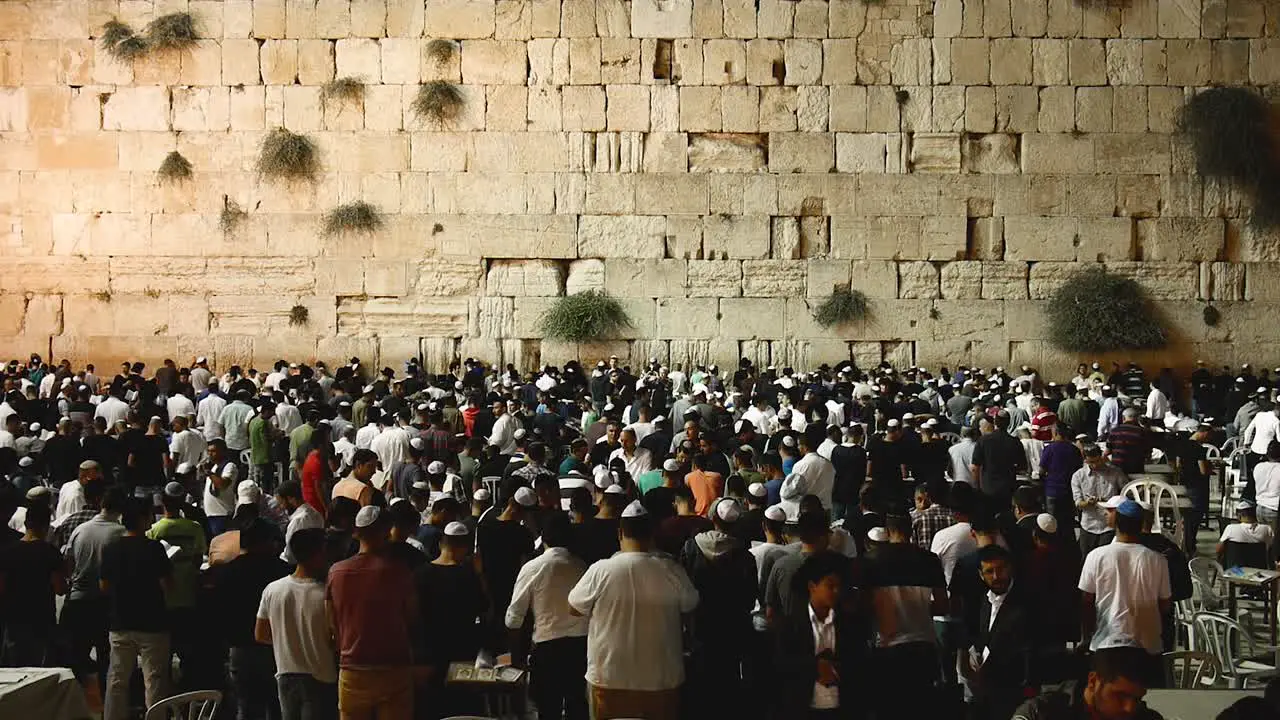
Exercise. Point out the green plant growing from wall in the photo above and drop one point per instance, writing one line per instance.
(441, 50)
(584, 317)
(1211, 315)
(439, 102)
(299, 315)
(356, 217)
(175, 31)
(1230, 130)
(174, 168)
(1096, 311)
(288, 156)
(343, 90)
(843, 307)
(121, 42)
(231, 216)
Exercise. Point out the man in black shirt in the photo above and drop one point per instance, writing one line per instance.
(997, 460)
(31, 573)
(237, 589)
(850, 461)
(134, 571)
(887, 459)
(63, 454)
(503, 544)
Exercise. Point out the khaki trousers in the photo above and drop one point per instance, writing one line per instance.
(384, 693)
(643, 704)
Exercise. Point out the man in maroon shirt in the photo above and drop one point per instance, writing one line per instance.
(371, 606)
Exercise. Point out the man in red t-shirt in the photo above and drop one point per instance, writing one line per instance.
(1042, 420)
(371, 604)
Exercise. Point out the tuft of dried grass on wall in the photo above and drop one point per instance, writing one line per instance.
(439, 102)
(289, 156)
(174, 168)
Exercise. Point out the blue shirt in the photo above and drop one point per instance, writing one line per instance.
(773, 489)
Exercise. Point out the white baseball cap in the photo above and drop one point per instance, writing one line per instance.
(1113, 502)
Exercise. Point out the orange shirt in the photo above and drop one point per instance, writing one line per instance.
(706, 487)
(354, 489)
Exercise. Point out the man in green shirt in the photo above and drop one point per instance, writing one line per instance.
(187, 547)
(300, 443)
(655, 478)
(576, 459)
(261, 433)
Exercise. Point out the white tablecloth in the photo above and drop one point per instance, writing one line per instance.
(1194, 704)
(45, 693)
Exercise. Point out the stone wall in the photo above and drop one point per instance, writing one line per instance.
(719, 164)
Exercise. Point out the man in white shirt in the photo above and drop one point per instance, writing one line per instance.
(635, 601)
(186, 445)
(180, 405)
(220, 477)
(391, 445)
(235, 423)
(1266, 480)
(301, 515)
(113, 409)
(1157, 404)
(200, 375)
(344, 448)
(637, 459)
(818, 470)
(955, 541)
(209, 414)
(1126, 588)
(1262, 431)
(71, 494)
(1092, 488)
(288, 418)
(962, 457)
(292, 620)
(559, 635)
(1247, 531)
(504, 429)
(760, 415)
(1109, 414)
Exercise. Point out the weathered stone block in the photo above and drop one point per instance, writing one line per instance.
(403, 317)
(1162, 281)
(1174, 239)
(460, 18)
(1040, 238)
(935, 153)
(750, 317)
(524, 278)
(508, 236)
(621, 236)
(1004, 281)
(918, 281)
(688, 318)
(991, 153)
(825, 275)
(735, 236)
(717, 152)
(1222, 281)
(801, 152)
(715, 278)
(961, 280)
(773, 278)
(645, 278)
(661, 18)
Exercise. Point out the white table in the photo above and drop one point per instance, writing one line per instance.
(1194, 704)
(45, 693)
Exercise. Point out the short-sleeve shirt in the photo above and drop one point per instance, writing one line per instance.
(901, 578)
(1251, 533)
(299, 628)
(188, 537)
(1127, 581)
(133, 567)
(367, 593)
(28, 569)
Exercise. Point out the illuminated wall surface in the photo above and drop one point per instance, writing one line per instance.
(719, 166)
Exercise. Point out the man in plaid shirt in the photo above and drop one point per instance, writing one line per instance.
(928, 518)
(93, 492)
(438, 441)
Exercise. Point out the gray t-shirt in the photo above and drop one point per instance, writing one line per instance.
(779, 592)
(84, 551)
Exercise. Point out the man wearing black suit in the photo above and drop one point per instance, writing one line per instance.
(820, 652)
(1000, 663)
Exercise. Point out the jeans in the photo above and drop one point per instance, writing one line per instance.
(84, 624)
(218, 525)
(302, 697)
(253, 671)
(558, 679)
(127, 647)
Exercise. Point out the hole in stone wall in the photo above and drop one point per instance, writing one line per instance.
(780, 71)
(662, 59)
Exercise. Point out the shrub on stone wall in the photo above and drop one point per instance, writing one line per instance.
(174, 168)
(175, 31)
(1231, 132)
(356, 217)
(1095, 311)
(287, 155)
(121, 42)
(584, 317)
(343, 89)
(843, 307)
(439, 102)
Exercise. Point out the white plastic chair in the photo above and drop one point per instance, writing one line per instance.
(1211, 452)
(491, 484)
(1162, 498)
(1198, 670)
(1208, 570)
(1233, 647)
(198, 705)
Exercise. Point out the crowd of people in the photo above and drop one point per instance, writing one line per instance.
(649, 542)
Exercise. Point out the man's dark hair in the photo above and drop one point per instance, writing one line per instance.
(39, 516)
(994, 552)
(290, 489)
(898, 523)
(134, 513)
(114, 500)
(1027, 499)
(1273, 451)
(360, 457)
(963, 498)
(93, 491)
(682, 493)
(771, 460)
(537, 453)
(256, 533)
(1113, 663)
(983, 523)
(404, 517)
(818, 566)
(1128, 525)
(811, 527)
(342, 513)
(556, 530)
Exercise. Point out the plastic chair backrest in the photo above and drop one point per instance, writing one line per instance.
(1207, 569)
(1211, 452)
(1163, 500)
(1229, 447)
(491, 483)
(1198, 669)
(198, 705)
(1222, 637)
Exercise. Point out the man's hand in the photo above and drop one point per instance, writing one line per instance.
(827, 674)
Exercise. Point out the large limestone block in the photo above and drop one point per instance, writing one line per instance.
(918, 281)
(898, 319)
(165, 275)
(507, 236)
(968, 319)
(445, 276)
(675, 193)
(259, 276)
(1044, 278)
(634, 236)
(494, 62)
(584, 275)
(404, 317)
(961, 280)
(1040, 238)
(137, 109)
(1222, 281)
(826, 275)
(801, 152)
(715, 278)
(645, 278)
(935, 153)
(460, 19)
(725, 152)
(437, 353)
(42, 315)
(743, 318)
(496, 316)
(55, 274)
(1172, 239)
(524, 277)
(774, 278)
(800, 322)
(1262, 281)
(1162, 281)
(688, 318)
(1004, 281)
(661, 18)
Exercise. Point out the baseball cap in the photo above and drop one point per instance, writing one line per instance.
(1113, 503)
(526, 497)
(248, 493)
(367, 516)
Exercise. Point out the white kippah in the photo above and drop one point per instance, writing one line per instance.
(728, 510)
(614, 490)
(775, 513)
(671, 465)
(367, 516)
(526, 497)
(1047, 523)
(435, 467)
(635, 509)
(757, 490)
(456, 529)
(482, 495)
